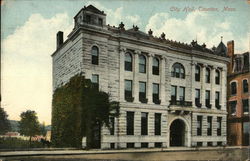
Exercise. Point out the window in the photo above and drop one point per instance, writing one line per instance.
(233, 88)
(209, 125)
(182, 94)
(173, 94)
(144, 123)
(142, 64)
(197, 98)
(130, 145)
(155, 66)
(128, 90)
(178, 71)
(245, 86)
(232, 106)
(199, 143)
(156, 93)
(112, 125)
(217, 77)
(217, 100)
(100, 21)
(199, 125)
(130, 123)
(209, 143)
(208, 105)
(157, 124)
(88, 18)
(238, 65)
(219, 143)
(95, 81)
(142, 92)
(197, 73)
(144, 145)
(245, 104)
(112, 145)
(95, 55)
(158, 145)
(219, 126)
(207, 75)
(128, 62)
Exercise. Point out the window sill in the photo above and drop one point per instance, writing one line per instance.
(129, 99)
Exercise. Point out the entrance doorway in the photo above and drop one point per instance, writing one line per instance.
(177, 133)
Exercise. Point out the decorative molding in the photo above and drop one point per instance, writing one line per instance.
(137, 52)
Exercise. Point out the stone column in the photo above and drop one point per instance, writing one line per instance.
(212, 93)
(162, 81)
(149, 78)
(223, 82)
(203, 89)
(122, 56)
(135, 74)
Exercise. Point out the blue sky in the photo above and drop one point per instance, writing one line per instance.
(29, 28)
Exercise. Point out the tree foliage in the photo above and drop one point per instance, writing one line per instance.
(76, 108)
(4, 122)
(29, 124)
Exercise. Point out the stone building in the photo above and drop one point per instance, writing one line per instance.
(238, 97)
(171, 93)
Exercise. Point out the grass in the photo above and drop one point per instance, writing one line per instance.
(16, 143)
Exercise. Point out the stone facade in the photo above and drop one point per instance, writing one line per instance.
(74, 56)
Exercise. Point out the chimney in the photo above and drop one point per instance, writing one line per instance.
(59, 38)
(230, 52)
(230, 48)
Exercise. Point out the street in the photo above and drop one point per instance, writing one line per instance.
(202, 154)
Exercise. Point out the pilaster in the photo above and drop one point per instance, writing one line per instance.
(223, 89)
(149, 79)
(162, 80)
(193, 64)
(121, 71)
(212, 78)
(203, 89)
(135, 75)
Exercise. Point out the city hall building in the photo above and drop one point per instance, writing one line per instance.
(170, 93)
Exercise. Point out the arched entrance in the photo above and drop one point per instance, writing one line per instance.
(177, 133)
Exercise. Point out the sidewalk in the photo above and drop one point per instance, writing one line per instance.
(99, 151)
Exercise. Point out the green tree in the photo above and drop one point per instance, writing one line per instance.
(4, 122)
(29, 124)
(77, 108)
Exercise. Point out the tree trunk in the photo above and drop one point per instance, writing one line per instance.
(30, 141)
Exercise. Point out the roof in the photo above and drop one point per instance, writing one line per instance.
(221, 49)
(93, 9)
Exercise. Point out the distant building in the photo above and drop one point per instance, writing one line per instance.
(238, 97)
(48, 135)
(171, 93)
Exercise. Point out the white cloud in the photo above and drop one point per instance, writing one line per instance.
(205, 27)
(26, 67)
(115, 17)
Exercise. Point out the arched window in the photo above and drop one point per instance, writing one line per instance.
(217, 77)
(197, 73)
(233, 88)
(155, 66)
(95, 55)
(142, 64)
(207, 75)
(178, 71)
(128, 62)
(245, 86)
